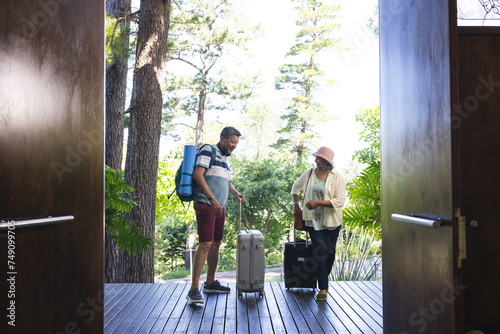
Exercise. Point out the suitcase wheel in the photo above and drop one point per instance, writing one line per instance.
(261, 294)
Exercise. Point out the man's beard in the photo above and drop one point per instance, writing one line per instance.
(223, 151)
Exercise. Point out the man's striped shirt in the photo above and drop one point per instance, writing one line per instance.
(217, 177)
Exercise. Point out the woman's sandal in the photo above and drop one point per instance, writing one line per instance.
(321, 296)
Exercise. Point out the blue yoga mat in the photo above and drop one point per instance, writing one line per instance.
(186, 188)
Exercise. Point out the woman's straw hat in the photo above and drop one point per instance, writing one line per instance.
(325, 153)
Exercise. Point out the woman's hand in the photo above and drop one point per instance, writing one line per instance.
(312, 204)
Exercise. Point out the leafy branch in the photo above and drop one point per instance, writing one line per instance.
(364, 210)
(127, 236)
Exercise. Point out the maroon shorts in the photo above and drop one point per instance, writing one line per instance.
(210, 227)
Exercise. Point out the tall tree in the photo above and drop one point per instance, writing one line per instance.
(141, 165)
(203, 33)
(258, 124)
(117, 50)
(318, 24)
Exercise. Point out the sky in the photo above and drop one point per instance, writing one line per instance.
(356, 71)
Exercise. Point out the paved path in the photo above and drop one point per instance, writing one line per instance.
(272, 274)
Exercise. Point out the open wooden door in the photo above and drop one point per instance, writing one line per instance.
(476, 131)
(421, 289)
(51, 166)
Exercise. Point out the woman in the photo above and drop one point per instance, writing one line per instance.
(324, 196)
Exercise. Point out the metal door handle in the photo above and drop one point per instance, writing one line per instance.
(14, 224)
(432, 223)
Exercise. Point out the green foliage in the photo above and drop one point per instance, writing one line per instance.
(370, 119)
(227, 257)
(174, 274)
(166, 201)
(205, 37)
(266, 183)
(364, 209)
(318, 25)
(170, 243)
(127, 237)
(357, 257)
(117, 40)
(274, 258)
(173, 221)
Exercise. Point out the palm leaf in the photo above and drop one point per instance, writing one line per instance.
(364, 210)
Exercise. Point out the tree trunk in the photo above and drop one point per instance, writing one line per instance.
(248, 223)
(300, 148)
(266, 224)
(201, 118)
(141, 166)
(116, 82)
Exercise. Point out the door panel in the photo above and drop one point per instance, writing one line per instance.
(477, 129)
(419, 286)
(51, 164)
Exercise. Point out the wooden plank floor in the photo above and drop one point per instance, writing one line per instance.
(351, 307)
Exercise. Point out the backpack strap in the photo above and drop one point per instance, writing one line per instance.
(212, 159)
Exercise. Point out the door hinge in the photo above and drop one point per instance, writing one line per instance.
(462, 247)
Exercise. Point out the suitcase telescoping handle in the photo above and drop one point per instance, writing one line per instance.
(307, 238)
(239, 226)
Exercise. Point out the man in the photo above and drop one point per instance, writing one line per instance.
(211, 195)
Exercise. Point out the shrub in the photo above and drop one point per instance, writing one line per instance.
(117, 203)
(358, 255)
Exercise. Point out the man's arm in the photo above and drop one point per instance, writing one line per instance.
(205, 190)
(235, 193)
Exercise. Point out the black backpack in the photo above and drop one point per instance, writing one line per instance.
(178, 174)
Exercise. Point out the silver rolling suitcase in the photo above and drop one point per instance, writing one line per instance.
(250, 261)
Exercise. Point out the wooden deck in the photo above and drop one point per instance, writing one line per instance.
(351, 307)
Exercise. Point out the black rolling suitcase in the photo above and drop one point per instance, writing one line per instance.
(299, 265)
